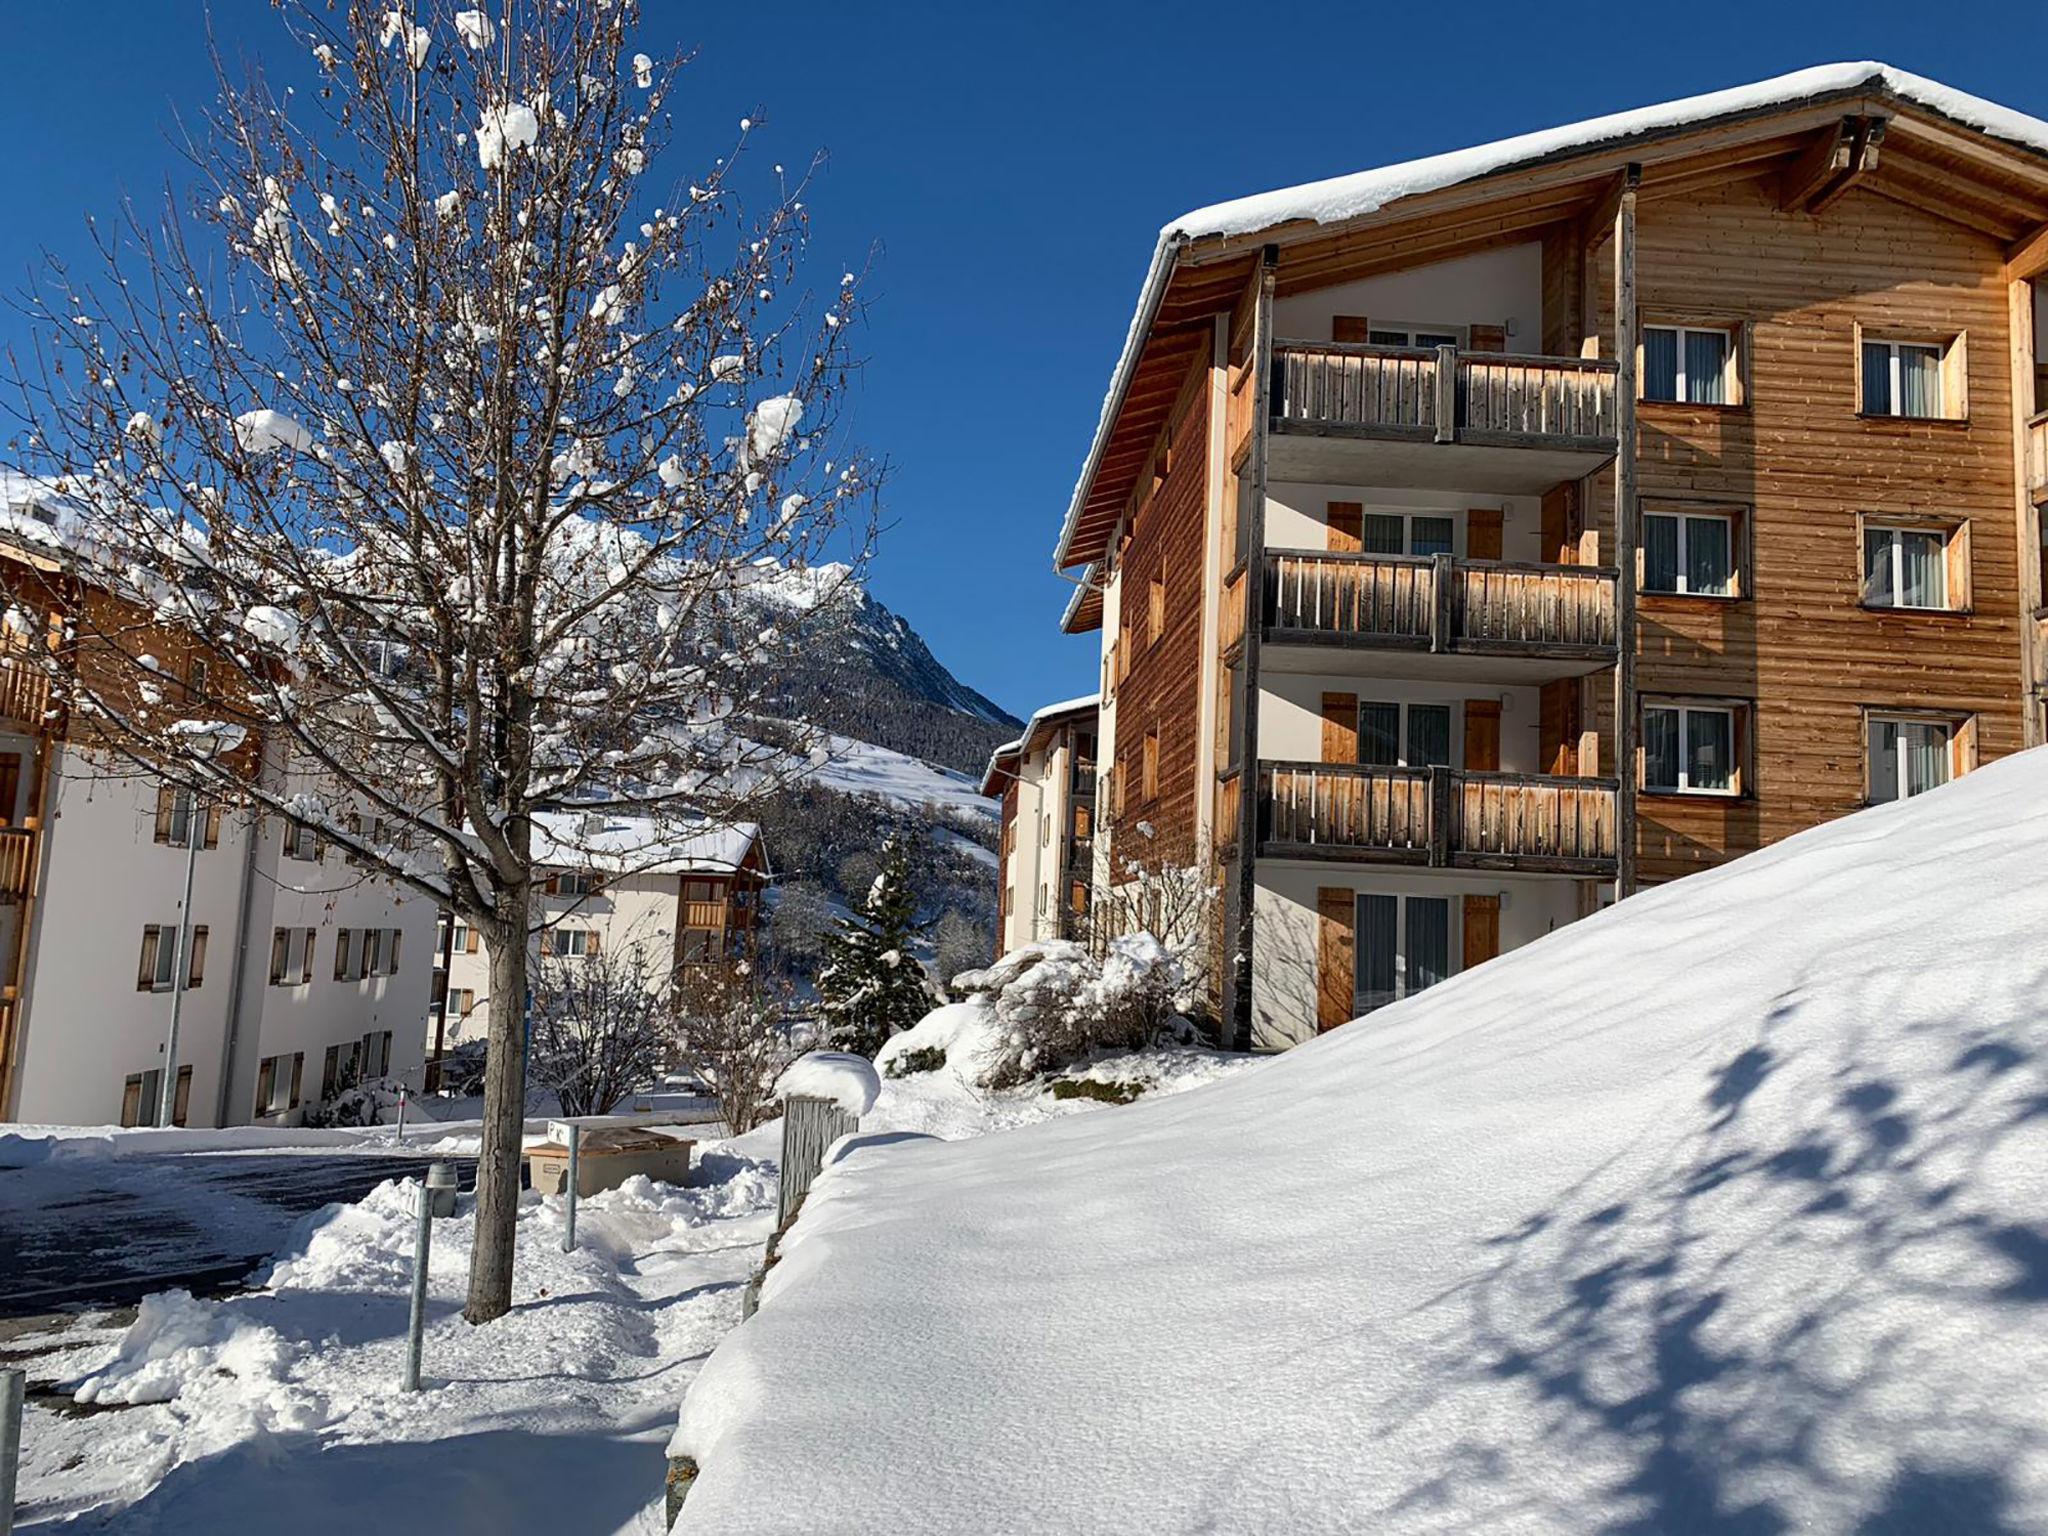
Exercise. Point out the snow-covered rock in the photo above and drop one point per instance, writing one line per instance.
(1720, 1210)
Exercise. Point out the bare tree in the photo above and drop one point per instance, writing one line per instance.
(733, 1030)
(1166, 888)
(599, 1028)
(458, 446)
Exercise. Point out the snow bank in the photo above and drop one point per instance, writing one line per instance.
(966, 1033)
(1720, 1210)
(848, 1080)
(175, 1339)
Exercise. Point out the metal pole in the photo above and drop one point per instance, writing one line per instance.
(401, 1111)
(12, 1385)
(195, 825)
(416, 1325)
(569, 1230)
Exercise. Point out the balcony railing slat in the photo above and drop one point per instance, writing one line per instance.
(1443, 815)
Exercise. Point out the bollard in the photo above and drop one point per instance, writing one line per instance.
(13, 1384)
(439, 1185)
(401, 1114)
(569, 1226)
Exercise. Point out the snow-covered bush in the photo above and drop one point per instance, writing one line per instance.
(1047, 1004)
(356, 1104)
(462, 1069)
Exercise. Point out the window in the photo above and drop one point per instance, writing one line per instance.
(1403, 947)
(1149, 765)
(1688, 365)
(1904, 378)
(462, 1000)
(1392, 735)
(375, 1057)
(701, 944)
(1690, 749)
(301, 842)
(1407, 533)
(338, 1071)
(700, 890)
(177, 818)
(1400, 333)
(158, 966)
(291, 956)
(1909, 756)
(140, 1095)
(569, 943)
(1689, 552)
(1156, 610)
(372, 954)
(277, 1082)
(1908, 567)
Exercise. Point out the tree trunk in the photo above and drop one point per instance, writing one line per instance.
(497, 1168)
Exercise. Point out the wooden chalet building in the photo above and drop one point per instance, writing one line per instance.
(1478, 539)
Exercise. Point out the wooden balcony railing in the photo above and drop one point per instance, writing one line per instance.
(704, 914)
(1443, 395)
(1437, 603)
(24, 693)
(1445, 817)
(2037, 457)
(17, 862)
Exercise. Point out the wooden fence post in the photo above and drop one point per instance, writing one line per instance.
(809, 1126)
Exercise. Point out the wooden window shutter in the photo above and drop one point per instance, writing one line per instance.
(1558, 728)
(280, 953)
(1340, 727)
(1482, 735)
(1347, 527)
(1962, 748)
(145, 973)
(391, 960)
(342, 940)
(166, 803)
(1483, 533)
(266, 1083)
(1957, 552)
(298, 1074)
(469, 942)
(306, 965)
(181, 1103)
(1336, 963)
(1349, 328)
(589, 947)
(1482, 929)
(1488, 338)
(195, 971)
(213, 826)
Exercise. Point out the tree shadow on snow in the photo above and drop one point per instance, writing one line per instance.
(499, 1482)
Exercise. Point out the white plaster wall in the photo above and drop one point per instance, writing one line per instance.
(634, 911)
(1291, 714)
(1284, 933)
(86, 1026)
(1502, 287)
(1297, 514)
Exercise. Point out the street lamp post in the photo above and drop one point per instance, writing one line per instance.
(195, 828)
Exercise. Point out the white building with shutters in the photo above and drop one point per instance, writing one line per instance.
(302, 971)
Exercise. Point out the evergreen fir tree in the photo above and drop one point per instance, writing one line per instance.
(872, 985)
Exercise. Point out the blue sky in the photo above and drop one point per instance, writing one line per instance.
(1008, 167)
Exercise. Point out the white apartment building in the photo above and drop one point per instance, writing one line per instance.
(302, 971)
(1045, 780)
(619, 884)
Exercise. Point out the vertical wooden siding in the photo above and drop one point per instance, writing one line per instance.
(1799, 455)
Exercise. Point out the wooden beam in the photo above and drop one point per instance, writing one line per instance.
(1598, 222)
(1943, 203)
(1625, 537)
(1863, 148)
(1826, 158)
(2027, 257)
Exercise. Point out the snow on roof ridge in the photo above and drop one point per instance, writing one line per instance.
(1357, 193)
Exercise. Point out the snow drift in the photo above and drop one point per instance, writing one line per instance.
(1724, 1210)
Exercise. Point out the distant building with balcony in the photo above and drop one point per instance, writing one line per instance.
(298, 971)
(1475, 541)
(1045, 782)
(673, 897)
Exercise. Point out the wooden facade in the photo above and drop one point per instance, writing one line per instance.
(1797, 235)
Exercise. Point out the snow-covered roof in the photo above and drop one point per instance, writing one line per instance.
(1720, 1209)
(1041, 720)
(1337, 199)
(641, 845)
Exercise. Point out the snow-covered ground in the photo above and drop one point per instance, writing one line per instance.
(1725, 1210)
(279, 1408)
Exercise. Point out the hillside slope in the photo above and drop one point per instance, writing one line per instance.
(1725, 1210)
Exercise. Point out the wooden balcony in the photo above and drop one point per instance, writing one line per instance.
(1351, 414)
(704, 914)
(1446, 818)
(24, 694)
(2037, 459)
(1508, 619)
(17, 862)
